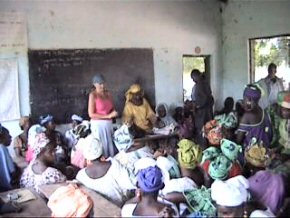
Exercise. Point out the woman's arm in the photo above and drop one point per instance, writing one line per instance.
(91, 110)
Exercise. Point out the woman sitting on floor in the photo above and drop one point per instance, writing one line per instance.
(20, 142)
(232, 199)
(40, 170)
(145, 203)
(107, 177)
(9, 177)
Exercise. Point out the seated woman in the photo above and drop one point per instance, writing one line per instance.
(40, 171)
(268, 189)
(70, 136)
(9, 171)
(231, 197)
(164, 116)
(145, 204)
(189, 157)
(55, 136)
(280, 114)
(222, 163)
(137, 109)
(107, 177)
(20, 142)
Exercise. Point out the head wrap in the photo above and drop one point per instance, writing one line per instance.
(168, 119)
(230, 149)
(230, 193)
(122, 138)
(256, 155)
(93, 148)
(227, 120)
(150, 179)
(39, 143)
(268, 188)
(33, 131)
(144, 163)
(98, 79)
(285, 103)
(212, 131)
(45, 120)
(77, 118)
(132, 90)
(219, 168)
(82, 130)
(210, 154)
(200, 200)
(252, 91)
(164, 165)
(189, 154)
(23, 120)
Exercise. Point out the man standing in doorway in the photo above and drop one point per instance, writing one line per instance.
(203, 104)
(270, 86)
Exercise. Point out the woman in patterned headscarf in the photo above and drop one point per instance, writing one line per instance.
(40, 171)
(137, 109)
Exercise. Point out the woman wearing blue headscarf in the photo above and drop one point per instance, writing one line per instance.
(146, 204)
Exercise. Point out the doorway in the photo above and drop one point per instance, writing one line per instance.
(189, 63)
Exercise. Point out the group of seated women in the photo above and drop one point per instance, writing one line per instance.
(244, 170)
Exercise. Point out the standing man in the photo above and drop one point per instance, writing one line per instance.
(203, 104)
(270, 86)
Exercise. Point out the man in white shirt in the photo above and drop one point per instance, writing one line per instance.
(270, 86)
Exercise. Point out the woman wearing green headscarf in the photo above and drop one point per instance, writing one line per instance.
(222, 163)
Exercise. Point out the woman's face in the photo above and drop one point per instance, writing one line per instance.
(161, 111)
(285, 113)
(27, 125)
(49, 154)
(249, 104)
(5, 137)
(230, 211)
(100, 87)
(137, 98)
(51, 125)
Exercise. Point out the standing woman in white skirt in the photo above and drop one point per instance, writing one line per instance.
(101, 111)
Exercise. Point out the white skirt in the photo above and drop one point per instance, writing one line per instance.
(103, 130)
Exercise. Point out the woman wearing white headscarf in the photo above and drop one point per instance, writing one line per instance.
(231, 197)
(107, 177)
(164, 115)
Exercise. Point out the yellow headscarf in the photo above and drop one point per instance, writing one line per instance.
(189, 154)
(132, 90)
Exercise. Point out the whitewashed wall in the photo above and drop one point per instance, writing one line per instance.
(171, 28)
(242, 20)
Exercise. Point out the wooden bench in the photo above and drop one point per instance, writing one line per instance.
(102, 207)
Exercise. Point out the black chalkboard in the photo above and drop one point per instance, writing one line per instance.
(60, 80)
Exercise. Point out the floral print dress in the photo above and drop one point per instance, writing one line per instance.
(33, 180)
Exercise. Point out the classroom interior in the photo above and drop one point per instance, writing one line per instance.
(217, 29)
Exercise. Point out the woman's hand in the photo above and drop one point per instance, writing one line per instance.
(113, 114)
